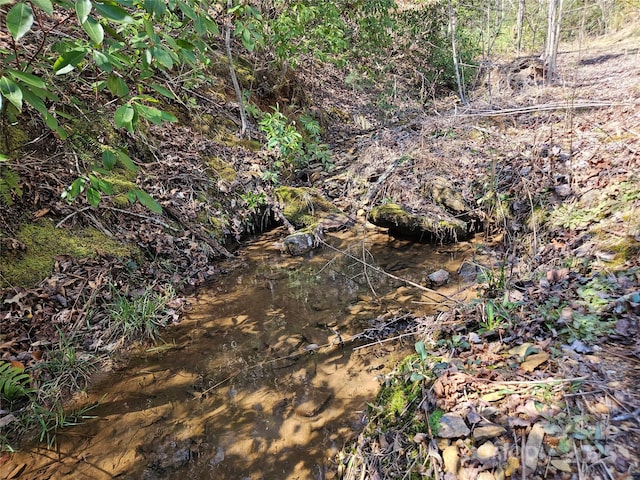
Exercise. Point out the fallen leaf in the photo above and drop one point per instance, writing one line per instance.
(18, 365)
(534, 361)
(16, 298)
(522, 350)
(532, 447)
(561, 465)
(492, 397)
(513, 464)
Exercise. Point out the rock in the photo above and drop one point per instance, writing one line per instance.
(474, 338)
(473, 417)
(218, 458)
(435, 227)
(563, 190)
(451, 459)
(488, 431)
(452, 425)
(311, 403)
(468, 271)
(446, 196)
(299, 243)
(487, 452)
(169, 454)
(439, 277)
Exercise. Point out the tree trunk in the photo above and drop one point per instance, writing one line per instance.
(519, 25)
(553, 37)
(453, 21)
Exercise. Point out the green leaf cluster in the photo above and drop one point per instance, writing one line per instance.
(292, 145)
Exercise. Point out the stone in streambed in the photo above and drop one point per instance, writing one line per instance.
(439, 277)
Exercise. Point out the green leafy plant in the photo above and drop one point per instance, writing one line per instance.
(48, 420)
(254, 200)
(490, 320)
(292, 146)
(14, 382)
(123, 44)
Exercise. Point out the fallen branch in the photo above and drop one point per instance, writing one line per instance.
(380, 270)
(542, 108)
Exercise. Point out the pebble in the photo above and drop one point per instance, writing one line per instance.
(451, 459)
(452, 425)
(439, 277)
(487, 451)
(488, 431)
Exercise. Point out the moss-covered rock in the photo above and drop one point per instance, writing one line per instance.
(434, 228)
(305, 207)
(43, 241)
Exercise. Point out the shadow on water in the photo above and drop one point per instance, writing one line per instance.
(260, 381)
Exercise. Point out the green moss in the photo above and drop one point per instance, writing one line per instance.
(43, 241)
(222, 169)
(121, 180)
(121, 200)
(434, 420)
(303, 206)
(230, 139)
(13, 138)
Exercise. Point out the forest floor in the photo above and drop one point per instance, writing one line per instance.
(535, 379)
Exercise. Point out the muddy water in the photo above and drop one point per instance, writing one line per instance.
(261, 380)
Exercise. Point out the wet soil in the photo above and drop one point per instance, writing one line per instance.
(261, 380)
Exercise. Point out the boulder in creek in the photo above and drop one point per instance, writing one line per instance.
(301, 242)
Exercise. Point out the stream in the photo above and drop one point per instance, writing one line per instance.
(262, 378)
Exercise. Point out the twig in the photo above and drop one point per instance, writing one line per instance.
(534, 382)
(578, 463)
(71, 215)
(380, 342)
(146, 217)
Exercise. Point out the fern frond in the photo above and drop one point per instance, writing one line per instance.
(14, 383)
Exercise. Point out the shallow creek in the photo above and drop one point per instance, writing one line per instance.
(261, 379)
